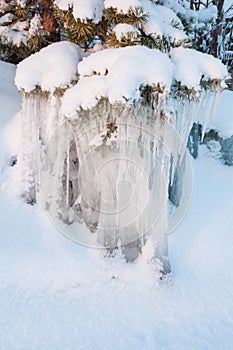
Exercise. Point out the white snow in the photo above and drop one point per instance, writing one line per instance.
(191, 65)
(7, 18)
(9, 102)
(20, 25)
(207, 14)
(83, 9)
(122, 30)
(53, 67)
(100, 71)
(35, 25)
(9, 35)
(160, 20)
(3, 6)
(9, 96)
(163, 21)
(175, 6)
(227, 4)
(21, 3)
(122, 5)
(223, 121)
(55, 294)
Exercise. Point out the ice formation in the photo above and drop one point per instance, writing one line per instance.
(109, 151)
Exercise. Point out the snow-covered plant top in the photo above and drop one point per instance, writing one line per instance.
(53, 67)
(117, 74)
(161, 21)
(13, 36)
(123, 5)
(203, 15)
(123, 30)
(7, 18)
(192, 67)
(199, 25)
(83, 9)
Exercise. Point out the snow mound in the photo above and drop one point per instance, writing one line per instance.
(118, 75)
(192, 66)
(163, 22)
(12, 36)
(122, 30)
(53, 67)
(83, 9)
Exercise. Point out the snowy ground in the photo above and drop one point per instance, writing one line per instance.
(55, 294)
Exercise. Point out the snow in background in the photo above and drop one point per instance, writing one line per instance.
(223, 121)
(55, 294)
(9, 101)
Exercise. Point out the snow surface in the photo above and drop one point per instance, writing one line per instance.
(160, 22)
(35, 25)
(83, 9)
(10, 105)
(122, 5)
(7, 18)
(223, 122)
(100, 71)
(9, 35)
(207, 14)
(55, 294)
(122, 30)
(9, 96)
(20, 25)
(46, 67)
(191, 65)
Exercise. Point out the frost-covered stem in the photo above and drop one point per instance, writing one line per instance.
(31, 148)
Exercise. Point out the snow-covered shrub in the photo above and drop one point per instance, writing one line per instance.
(120, 24)
(25, 27)
(96, 122)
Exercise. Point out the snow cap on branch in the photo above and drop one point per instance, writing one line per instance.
(192, 66)
(53, 67)
(117, 74)
(83, 9)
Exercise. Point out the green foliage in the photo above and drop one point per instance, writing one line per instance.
(126, 40)
(180, 91)
(14, 51)
(135, 17)
(84, 32)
